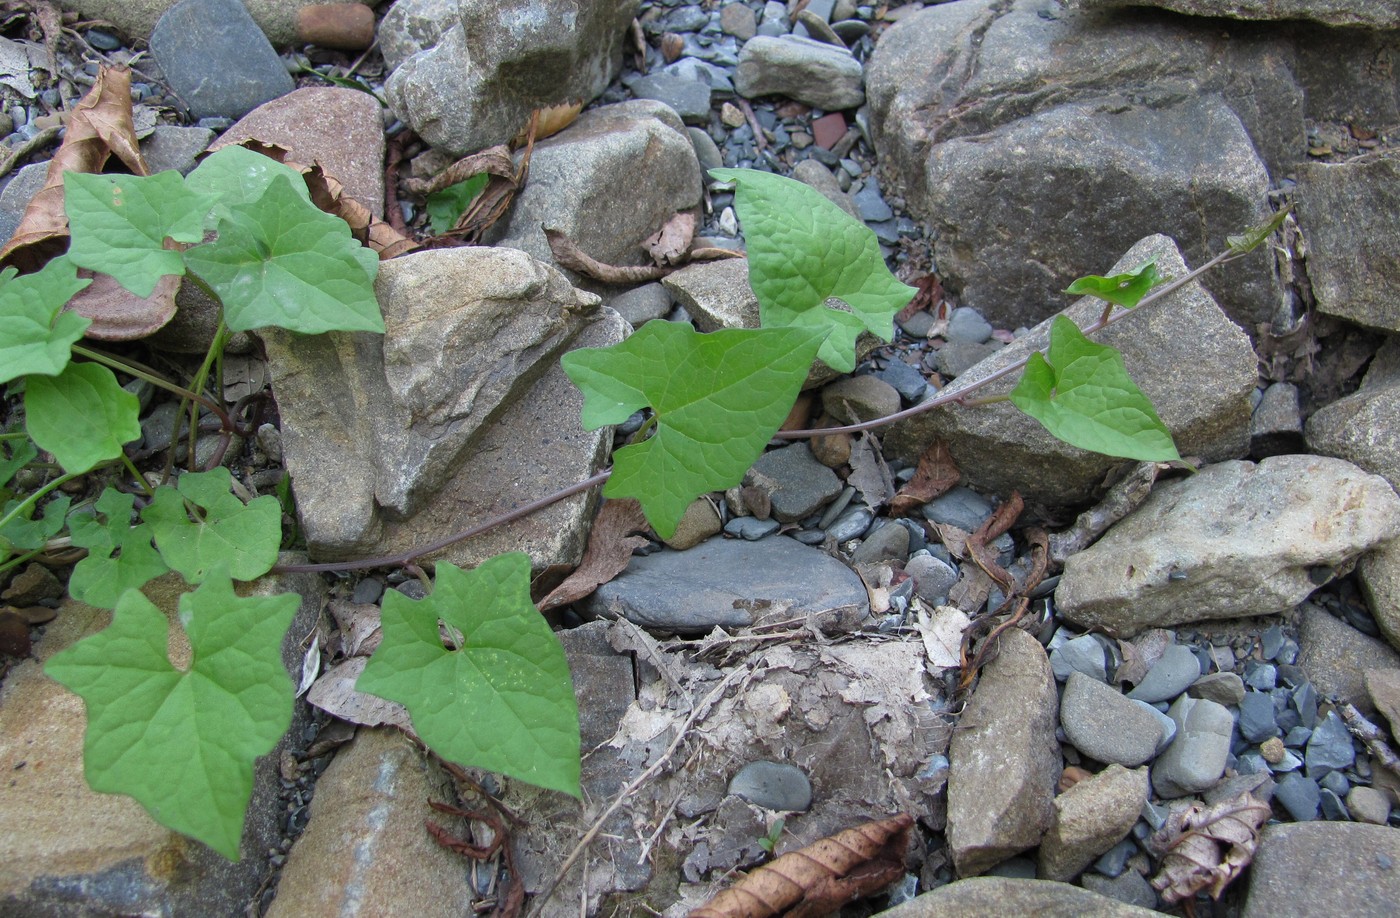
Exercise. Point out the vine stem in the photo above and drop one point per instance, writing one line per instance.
(122, 366)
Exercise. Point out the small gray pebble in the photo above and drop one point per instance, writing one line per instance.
(1257, 721)
(1271, 641)
(851, 525)
(967, 325)
(1262, 678)
(1300, 795)
(367, 591)
(961, 507)
(773, 785)
(751, 528)
(1115, 860)
(1333, 808)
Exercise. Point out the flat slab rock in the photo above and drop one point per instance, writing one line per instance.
(1007, 896)
(733, 584)
(1324, 868)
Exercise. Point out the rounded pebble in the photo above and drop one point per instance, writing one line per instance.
(773, 785)
(1169, 676)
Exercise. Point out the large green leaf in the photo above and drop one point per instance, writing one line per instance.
(82, 415)
(804, 250)
(1126, 290)
(447, 205)
(501, 699)
(219, 531)
(282, 261)
(120, 556)
(1084, 395)
(36, 335)
(182, 743)
(236, 175)
(120, 224)
(718, 399)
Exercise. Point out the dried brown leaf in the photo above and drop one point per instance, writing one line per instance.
(359, 626)
(117, 314)
(610, 547)
(567, 254)
(935, 475)
(334, 692)
(552, 120)
(668, 245)
(820, 878)
(869, 473)
(495, 161)
(1207, 847)
(98, 127)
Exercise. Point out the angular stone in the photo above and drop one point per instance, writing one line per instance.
(797, 485)
(458, 413)
(195, 38)
(1222, 688)
(732, 583)
(1005, 896)
(859, 398)
(689, 98)
(698, 523)
(341, 129)
(494, 63)
(1383, 688)
(411, 26)
(1196, 758)
(1106, 726)
(641, 305)
(1285, 881)
(65, 849)
(1004, 761)
(888, 543)
(1195, 365)
(170, 146)
(1235, 540)
(1363, 428)
(1276, 428)
(613, 178)
(1176, 669)
(808, 71)
(1336, 656)
(1091, 817)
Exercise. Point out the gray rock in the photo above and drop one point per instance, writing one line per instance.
(411, 26)
(706, 151)
(1166, 723)
(1332, 806)
(1285, 882)
(967, 325)
(1236, 539)
(961, 507)
(19, 191)
(871, 203)
(171, 146)
(137, 18)
(641, 305)
(1107, 727)
(1361, 428)
(797, 485)
(1085, 654)
(1336, 656)
(495, 63)
(614, 177)
(751, 528)
(1368, 805)
(460, 410)
(1090, 818)
(1004, 761)
(1196, 758)
(1361, 196)
(1329, 748)
(1222, 688)
(731, 584)
(1054, 84)
(1115, 860)
(1257, 722)
(907, 380)
(195, 38)
(933, 578)
(699, 521)
(1129, 887)
(1375, 14)
(1169, 676)
(813, 173)
(1276, 427)
(850, 524)
(1196, 366)
(1005, 896)
(1383, 690)
(690, 98)
(1261, 677)
(859, 398)
(774, 786)
(1300, 795)
(802, 69)
(889, 542)
(957, 357)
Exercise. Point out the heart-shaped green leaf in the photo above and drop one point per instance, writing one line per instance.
(26, 533)
(718, 399)
(36, 335)
(236, 175)
(447, 205)
(1126, 290)
(502, 698)
(182, 743)
(1084, 395)
(120, 556)
(82, 415)
(242, 539)
(804, 250)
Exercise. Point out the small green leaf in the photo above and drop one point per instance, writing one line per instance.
(1084, 396)
(1255, 236)
(718, 399)
(182, 743)
(120, 224)
(503, 699)
(82, 416)
(242, 538)
(28, 534)
(120, 556)
(1126, 290)
(15, 454)
(282, 261)
(36, 335)
(804, 250)
(236, 175)
(343, 82)
(447, 205)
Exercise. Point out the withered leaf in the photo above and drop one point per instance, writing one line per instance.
(610, 547)
(117, 314)
(668, 245)
(334, 692)
(552, 120)
(869, 473)
(567, 254)
(820, 878)
(935, 475)
(1206, 848)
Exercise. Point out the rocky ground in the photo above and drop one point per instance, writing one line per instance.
(1097, 687)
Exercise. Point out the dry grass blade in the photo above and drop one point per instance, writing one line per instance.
(1207, 847)
(820, 878)
(610, 547)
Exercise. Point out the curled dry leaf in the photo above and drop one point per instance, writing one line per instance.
(1206, 848)
(869, 473)
(117, 314)
(668, 245)
(567, 254)
(98, 127)
(935, 475)
(610, 547)
(552, 120)
(334, 692)
(820, 878)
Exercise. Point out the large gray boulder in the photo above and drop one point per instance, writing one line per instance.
(1194, 364)
(1014, 896)
(1357, 875)
(1364, 427)
(1236, 539)
(1085, 130)
(495, 62)
(457, 412)
(1375, 14)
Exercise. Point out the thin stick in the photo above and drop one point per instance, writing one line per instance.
(1371, 735)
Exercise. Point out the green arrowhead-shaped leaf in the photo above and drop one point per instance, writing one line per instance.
(82, 415)
(1084, 396)
(120, 224)
(282, 261)
(120, 556)
(15, 454)
(183, 743)
(236, 175)
(241, 538)
(1255, 236)
(36, 335)
(447, 205)
(28, 534)
(1126, 290)
(503, 699)
(718, 399)
(804, 250)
